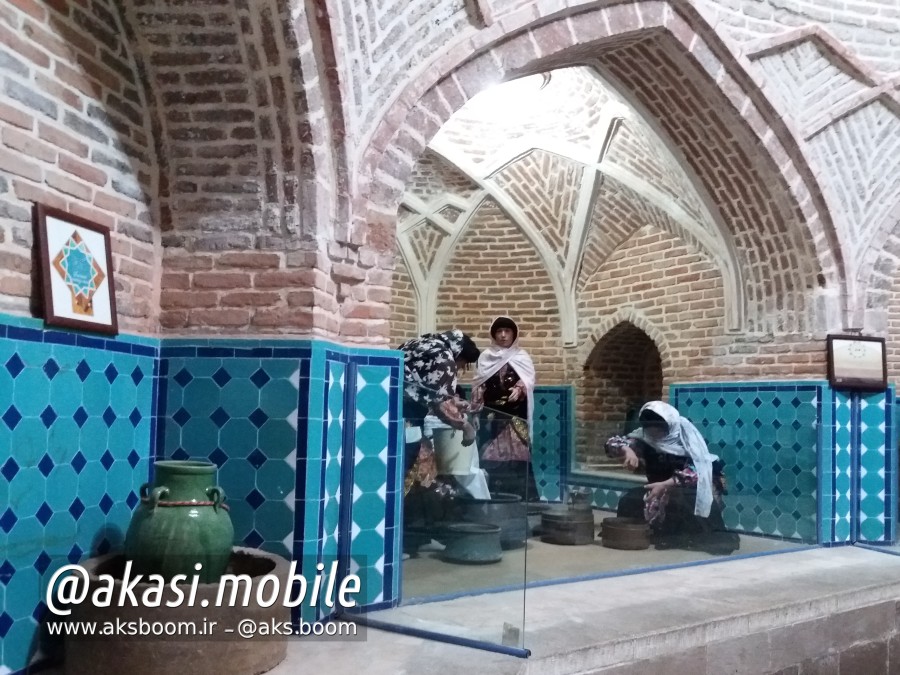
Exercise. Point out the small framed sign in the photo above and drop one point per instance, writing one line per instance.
(856, 362)
(76, 271)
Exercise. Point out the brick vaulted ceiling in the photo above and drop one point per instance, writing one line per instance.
(579, 172)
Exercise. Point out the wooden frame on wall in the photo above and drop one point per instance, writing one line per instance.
(857, 362)
(75, 261)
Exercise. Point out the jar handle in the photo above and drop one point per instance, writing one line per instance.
(157, 494)
(217, 495)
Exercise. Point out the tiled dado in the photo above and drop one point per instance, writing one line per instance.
(551, 448)
(79, 416)
(767, 436)
(861, 472)
(76, 428)
(305, 437)
(803, 461)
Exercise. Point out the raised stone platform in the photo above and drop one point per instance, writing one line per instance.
(829, 611)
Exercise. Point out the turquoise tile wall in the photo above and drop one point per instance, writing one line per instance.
(305, 434)
(358, 432)
(238, 410)
(375, 546)
(552, 444)
(76, 428)
(876, 501)
(767, 435)
(842, 444)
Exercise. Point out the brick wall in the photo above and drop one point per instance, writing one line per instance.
(623, 371)
(893, 328)
(678, 295)
(76, 135)
(403, 306)
(864, 27)
(495, 270)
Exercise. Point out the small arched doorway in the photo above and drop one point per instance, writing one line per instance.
(623, 371)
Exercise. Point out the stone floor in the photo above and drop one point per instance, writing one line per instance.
(748, 616)
(592, 626)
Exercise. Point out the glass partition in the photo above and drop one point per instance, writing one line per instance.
(762, 494)
(476, 536)
(467, 484)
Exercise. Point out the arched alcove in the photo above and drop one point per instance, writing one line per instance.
(623, 371)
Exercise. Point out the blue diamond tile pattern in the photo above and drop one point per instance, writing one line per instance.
(254, 539)
(766, 435)
(45, 466)
(107, 460)
(137, 376)
(258, 417)
(69, 476)
(218, 457)
(109, 416)
(78, 462)
(135, 417)
(219, 417)
(12, 417)
(76, 508)
(15, 366)
(256, 458)
(876, 415)
(106, 504)
(551, 445)
(6, 622)
(7, 569)
(260, 378)
(183, 378)
(255, 499)
(9, 469)
(75, 554)
(8, 520)
(44, 513)
(49, 416)
(221, 377)
(80, 416)
(51, 368)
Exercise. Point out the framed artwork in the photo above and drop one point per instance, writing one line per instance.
(76, 271)
(856, 362)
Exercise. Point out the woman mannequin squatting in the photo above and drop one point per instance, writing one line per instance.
(503, 390)
(682, 500)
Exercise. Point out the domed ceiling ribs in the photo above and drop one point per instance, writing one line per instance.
(548, 183)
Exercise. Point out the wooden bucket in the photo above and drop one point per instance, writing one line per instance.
(567, 527)
(627, 534)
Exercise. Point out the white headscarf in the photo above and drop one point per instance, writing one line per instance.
(684, 440)
(495, 357)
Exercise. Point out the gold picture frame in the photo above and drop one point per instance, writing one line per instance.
(76, 270)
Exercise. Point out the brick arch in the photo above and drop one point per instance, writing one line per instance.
(768, 196)
(626, 315)
(878, 274)
(243, 106)
(623, 369)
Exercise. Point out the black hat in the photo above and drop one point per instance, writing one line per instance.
(505, 322)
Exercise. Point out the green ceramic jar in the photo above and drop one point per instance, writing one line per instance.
(181, 521)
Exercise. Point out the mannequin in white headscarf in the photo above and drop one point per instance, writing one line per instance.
(674, 455)
(503, 389)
